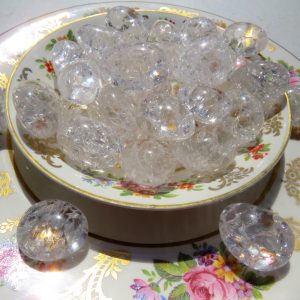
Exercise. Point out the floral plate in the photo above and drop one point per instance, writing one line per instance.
(199, 270)
(250, 166)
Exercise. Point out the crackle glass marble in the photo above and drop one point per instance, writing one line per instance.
(52, 230)
(148, 162)
(257, 237)
(64, 53)
(209, 105)
(137, 66)
(95, 39)
(294, 98)
(170, 118)
(196, 28)
(246, 39)
(80, 82)
(208, 61)
(163, 31)
(36, 107)
(87, 144)
(129, 22)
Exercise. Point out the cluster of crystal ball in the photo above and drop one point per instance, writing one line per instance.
(148, 98)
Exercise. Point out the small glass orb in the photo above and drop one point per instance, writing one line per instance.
(249, 114)
(117, 111)
(87, 144)
(52, 230)
(196, 28)
(64, 53)
(256, 237)
(80, 82)
(170, 118)
(207, 61)
(148, 162)
(163, 31)
(35, 104)
(209, 105)
(94, 39)
(294, 98)
(246, 39)
(138, 66)
(129, 22)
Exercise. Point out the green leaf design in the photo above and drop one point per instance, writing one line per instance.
(71, 36)
(257, 294)
(42, 67)
(186, 262)
(126, 193)
(168, 195)
(39, 60)
(179, 293)
(247, 156)
(146, 272)
(49, 47)
(168, 270)
(157, 197)
(53, 41)
(283, 63)
(266, 147)
(155, 287)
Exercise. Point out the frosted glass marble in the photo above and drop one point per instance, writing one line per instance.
(195, 28)
(80, 82)
(52, 230)
(246, 39)
(147, 162)
(94, 39)
(65, 53)
(87, 144)
(208, 61)
(129, 22)
(209, 105)
(257, 237)
(163, 31)
(170, 118)
(139, 66)
(36, 107)
(294, 98)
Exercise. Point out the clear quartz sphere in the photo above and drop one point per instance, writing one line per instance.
(205, 152)
(195, 28)
(138, 66)
(64, 53)
(170, 118)
(208, 61)
(163, 31)
(246, 39)
(36, 105)
(249, 114)
(117, 110)
(147, 162)
(294, 98)
(52, 230)
(209, 105)
(129, 22)
(86, 143)
(95, 39)
(256, 237)
(80, 82)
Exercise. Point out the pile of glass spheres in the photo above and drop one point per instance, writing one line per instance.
(148, 97)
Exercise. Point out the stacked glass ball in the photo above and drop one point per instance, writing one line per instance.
(154, 97)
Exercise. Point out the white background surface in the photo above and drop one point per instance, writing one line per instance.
(280, 18)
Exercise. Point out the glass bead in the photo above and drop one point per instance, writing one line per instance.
(256, 237)
(209, 105)
(196, 28)
(246, 39)
(170, 118)
(35, 104)
(64, 53)
(87, 144)
(207, 61)
(52, 230)
(95, 39)
(163, 31)
(147, 162)
(80, 82)
(139, 66)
